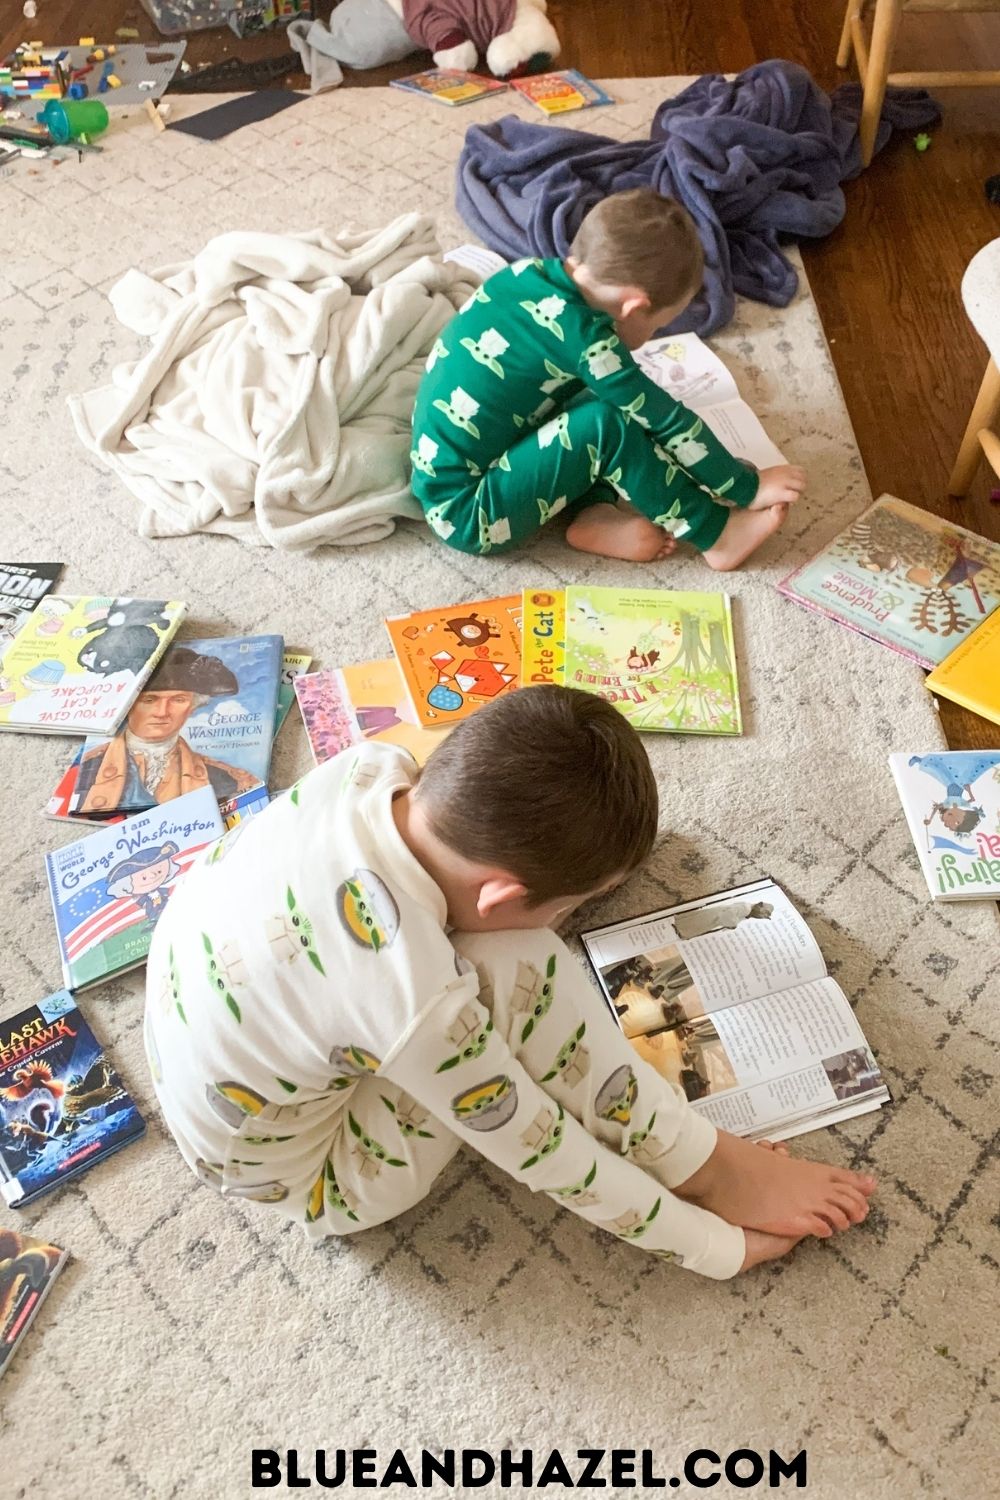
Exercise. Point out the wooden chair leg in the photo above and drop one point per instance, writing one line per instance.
(844, 55)
(984, 414)
(887, 13)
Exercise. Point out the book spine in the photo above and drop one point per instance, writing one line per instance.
(543, 637)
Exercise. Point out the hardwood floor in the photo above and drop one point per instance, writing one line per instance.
(887, 282)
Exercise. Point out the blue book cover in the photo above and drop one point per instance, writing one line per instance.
(63, 1106)
(109, 888)
(205, 718)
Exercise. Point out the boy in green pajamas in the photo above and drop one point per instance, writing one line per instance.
(533, 405)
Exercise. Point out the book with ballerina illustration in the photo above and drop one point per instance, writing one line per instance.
(952, 804)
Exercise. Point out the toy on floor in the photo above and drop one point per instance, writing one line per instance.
(515, 36)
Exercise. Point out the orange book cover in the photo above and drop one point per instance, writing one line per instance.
(456, 658)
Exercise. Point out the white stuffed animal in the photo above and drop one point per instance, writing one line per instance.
(456, 31)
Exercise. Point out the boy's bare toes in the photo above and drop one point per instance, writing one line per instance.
(862, 1182)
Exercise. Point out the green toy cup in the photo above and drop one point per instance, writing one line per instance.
(68, 119)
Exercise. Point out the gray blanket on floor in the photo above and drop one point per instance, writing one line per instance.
(757, 160)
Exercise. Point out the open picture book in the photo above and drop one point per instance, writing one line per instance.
(689, 371)
(730, 1000)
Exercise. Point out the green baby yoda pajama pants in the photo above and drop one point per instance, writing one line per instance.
(531, 405)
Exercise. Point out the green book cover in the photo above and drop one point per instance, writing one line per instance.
(666, 660)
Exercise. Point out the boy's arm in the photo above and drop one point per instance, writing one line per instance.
(609, 370)
(457, 1066)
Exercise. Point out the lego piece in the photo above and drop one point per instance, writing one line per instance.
(147, 83)
(97, 55)
(78, 91)
(127, 33)
(114, 82)
(86, 41)
(102, 87)
(111, 50)
(922, 141)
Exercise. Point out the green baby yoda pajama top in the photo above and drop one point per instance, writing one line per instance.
(320, 1045)
(532, 405)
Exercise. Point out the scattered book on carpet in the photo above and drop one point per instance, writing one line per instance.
(30, 1268)
(343, 706)
(561, 92)
(63, 1107)
(477, 258)
(77, 665)
(951, 799)
(457, 658)
(206, 717)
(449, 85)
(692, 373)
(293, 664)
(730, 1000)
(666, 660)
(109, 888)
(970, 676)
(904, 578)
(22, 585)
(237, 810)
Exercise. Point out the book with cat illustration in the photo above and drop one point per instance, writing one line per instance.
(905, 578)
(109, 888)
(951, 799)
(28, 1270)
(63, 1107)
(77, 664)
(456, 658)
(665, 659)
(344, 706)
(729, 998)
(206, 717)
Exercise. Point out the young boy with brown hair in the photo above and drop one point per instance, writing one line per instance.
(363, 977)
(532, 405)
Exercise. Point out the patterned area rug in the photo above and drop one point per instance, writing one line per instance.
(188, 1331)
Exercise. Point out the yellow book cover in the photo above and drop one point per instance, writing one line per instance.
(971, 674)
(345, 706)
(543, 632)
(457, 658)
(77, 664)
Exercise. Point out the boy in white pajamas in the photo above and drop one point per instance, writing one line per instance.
(350, 985)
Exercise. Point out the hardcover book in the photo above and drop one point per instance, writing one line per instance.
(951, 799)
(457, 658)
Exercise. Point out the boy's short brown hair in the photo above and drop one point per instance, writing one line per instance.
(550, 785)
(639, 238)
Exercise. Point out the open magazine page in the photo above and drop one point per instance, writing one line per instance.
(776, 1068)
(676, 965)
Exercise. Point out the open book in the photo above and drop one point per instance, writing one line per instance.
(688, 370)
(729, 999)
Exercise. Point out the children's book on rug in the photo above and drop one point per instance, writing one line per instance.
(477, 258)
(666, 660)
(30, 1268)
(457, 658)
(22, 585)
(449, 85)
(293, 664)
(77, 665)
(905, 578)
(344, 706)
(730, 1000)
(205, 717)
(561, 92)
(970, 676)
(63, 1106)
(109, 888)
(692, 373)
(236, 810)
(951, 799)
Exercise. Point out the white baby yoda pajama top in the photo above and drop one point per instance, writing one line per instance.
(318, 1042)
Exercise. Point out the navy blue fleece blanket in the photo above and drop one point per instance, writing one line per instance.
(756, 161)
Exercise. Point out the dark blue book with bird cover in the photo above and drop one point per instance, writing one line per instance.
(63, 1106)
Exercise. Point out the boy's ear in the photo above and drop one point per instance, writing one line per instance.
(635, 300)
(497, 891)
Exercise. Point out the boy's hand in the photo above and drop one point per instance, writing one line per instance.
(780, 485)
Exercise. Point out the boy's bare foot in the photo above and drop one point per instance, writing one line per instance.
(777, 1193)
(611, 532)
(742, 534)
(762, 1247)
(781, 485)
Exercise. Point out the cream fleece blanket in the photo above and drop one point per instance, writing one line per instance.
(275, 399)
